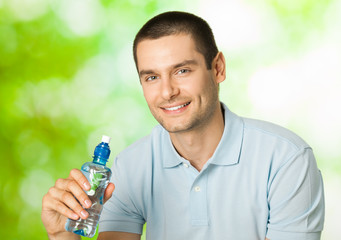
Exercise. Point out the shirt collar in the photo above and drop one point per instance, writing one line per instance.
(171, 157)
(228, 149)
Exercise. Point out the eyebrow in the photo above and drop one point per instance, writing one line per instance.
(177, 65)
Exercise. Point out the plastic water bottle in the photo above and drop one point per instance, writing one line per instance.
(98, 176)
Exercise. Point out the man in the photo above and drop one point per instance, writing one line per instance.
(204, 173)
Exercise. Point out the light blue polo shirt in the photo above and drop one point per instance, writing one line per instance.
(262, 181)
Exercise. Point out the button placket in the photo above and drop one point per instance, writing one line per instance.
(198, 201)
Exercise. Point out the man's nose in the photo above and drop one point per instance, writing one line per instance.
(169, 88)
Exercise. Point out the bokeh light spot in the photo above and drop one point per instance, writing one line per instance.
(26, 10)
(34, 186)
(83, 17)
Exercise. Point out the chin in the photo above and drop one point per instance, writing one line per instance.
(177, 128)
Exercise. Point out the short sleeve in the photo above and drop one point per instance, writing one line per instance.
(120, 212)
(296, 199)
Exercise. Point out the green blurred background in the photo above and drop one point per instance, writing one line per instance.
(67, 76)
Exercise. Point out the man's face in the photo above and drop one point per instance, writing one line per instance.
(181, 93)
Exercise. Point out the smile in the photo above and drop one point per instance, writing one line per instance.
(177, 107)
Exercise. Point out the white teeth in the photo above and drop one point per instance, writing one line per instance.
(177, 107)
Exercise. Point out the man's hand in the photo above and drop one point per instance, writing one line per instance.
(67, 199)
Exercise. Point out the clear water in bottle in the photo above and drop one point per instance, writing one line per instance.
(98, 176)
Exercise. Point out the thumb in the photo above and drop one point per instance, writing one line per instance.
(108, 191)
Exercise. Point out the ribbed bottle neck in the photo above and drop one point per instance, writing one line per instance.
(99, 160)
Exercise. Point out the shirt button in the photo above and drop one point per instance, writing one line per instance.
(197, 189)
(185, 165)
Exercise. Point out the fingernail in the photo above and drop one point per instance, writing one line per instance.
(75, 216)
(86, 185)
(87, 203)
(84, 213)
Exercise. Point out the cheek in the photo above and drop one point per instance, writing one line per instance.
(149, 95)
(196, 86)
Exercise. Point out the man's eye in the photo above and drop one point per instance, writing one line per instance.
(182, 71)
(151, 78)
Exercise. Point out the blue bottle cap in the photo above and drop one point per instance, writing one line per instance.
(102, 150)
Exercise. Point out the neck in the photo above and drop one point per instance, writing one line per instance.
(198, 145)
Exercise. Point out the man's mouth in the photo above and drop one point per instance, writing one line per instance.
(176, 107)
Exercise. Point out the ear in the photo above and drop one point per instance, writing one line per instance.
(219, 67)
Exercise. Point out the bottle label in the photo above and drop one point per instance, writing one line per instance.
(95, 179)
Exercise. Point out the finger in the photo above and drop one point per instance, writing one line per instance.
(108, 191)
(70, 185)
(67, 199)
(77, 175)
(51, 204)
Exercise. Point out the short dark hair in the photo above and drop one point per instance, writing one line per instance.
(174, 22)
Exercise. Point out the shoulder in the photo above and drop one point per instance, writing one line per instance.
(276, 147)
(262, 130)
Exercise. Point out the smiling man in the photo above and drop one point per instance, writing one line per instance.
(204, 172)
(182, 93)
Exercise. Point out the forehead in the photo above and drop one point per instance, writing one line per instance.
(166, 51)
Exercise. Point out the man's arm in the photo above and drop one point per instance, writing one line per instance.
(296, 199)
(118, 236)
